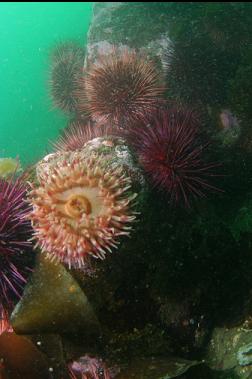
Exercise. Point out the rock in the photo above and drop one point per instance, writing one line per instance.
(86, 366)
(230, 350)
(124, 25)
(230, 129)
(20, 359)
(156, 368)
(52, 346)
(53, 303)
(9, 167)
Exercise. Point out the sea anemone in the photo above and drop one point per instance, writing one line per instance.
(15, 230)
(121, 88)
(170, 151)
(67, 63)
(83, 204)
(78, 134)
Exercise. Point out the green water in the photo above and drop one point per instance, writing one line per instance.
(28, 32)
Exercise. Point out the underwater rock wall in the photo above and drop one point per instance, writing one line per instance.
(153, 308)
(140, 26)
(205, 64)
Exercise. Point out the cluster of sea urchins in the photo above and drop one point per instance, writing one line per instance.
(121, 88)
(170, 150)
(15, 231)
(81, 207)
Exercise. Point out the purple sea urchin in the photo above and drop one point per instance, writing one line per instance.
(15, 231)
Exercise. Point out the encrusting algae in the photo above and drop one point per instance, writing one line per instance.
(8, 166)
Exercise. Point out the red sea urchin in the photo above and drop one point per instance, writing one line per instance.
(121, 88)
(15, 230)
(78, 134)
(81, 207)
(170, 151)
(67, 62)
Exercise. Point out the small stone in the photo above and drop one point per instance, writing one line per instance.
(48, 306)
(21, 359)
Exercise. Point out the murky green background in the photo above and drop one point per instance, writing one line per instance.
(28, 32)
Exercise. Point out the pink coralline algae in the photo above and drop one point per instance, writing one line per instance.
(90, 368)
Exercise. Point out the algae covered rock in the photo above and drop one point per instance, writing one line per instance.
(20, 359)
(156, 368)
(53, 303)
(9, 166)
(123, 24)
(230, 351)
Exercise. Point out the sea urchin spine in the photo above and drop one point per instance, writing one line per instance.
(78, 134)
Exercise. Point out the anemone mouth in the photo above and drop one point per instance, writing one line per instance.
(84, 205)
(77, 205)
(80, 209)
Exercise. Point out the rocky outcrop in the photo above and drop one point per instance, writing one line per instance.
(137, 26)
